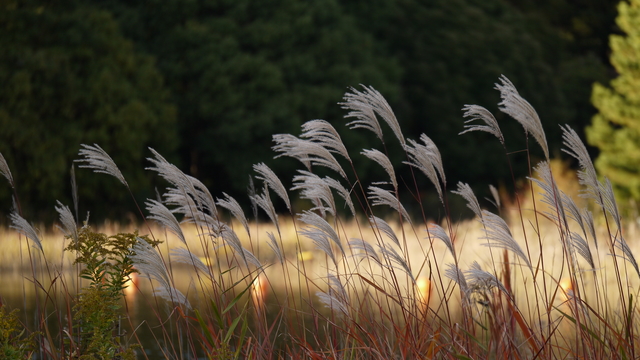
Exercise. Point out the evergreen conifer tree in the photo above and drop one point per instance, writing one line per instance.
(615, 130)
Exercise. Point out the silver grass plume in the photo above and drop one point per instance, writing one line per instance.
(384, 227)
(271, 179)
(454, 273)
(391, 255)
(610, 204)
(572, 210)
(476, 112)
(234, 207)
(231, 238)
(336, 296)
(4, 170)
(323, 133)
(587, 175)
(581, 246)
(264, 202)
(23, 227)
(621, 244)
(184, 256)
(466, 192)
(518, 108)
(499, 236)
(427, 159)
(379, 196)
(320, 232)
(495, 195)
(383, 161)
(551, 195)
(165, 217)
(364, 105)
(191, 212)
(365, 249)
(480, 280)
(151, 265)
(342, 191)
(69, 227)
(307, 152)
(314, 188)
(438, 232)
(174, 295)
(74, 189)
(587, 216)
(97, 159)
(273, 244)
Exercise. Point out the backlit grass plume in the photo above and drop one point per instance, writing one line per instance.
(95, 158)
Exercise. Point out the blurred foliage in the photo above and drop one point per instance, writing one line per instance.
(15, 344)
(70, 77)
(616, 128)
(239, 71)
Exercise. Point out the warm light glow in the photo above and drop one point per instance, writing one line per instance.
(131, 286)
(259, 289)
(567, 288)
(424, 290)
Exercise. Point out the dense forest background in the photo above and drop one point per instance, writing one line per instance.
(206, 83)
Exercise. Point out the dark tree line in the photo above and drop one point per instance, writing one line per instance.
(207, 83)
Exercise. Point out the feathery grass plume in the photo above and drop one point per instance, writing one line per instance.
(191, 212)
(427, 159)
(173, 295)
(97, 159)
(307, 152)
(454, 273)
(270, 178)
(383, 161)
(393, 257)
(234, 207)
(610, 204)
(466, 192)
(499, 236)
(438, 232)
(379, 196)
(23, 227)
(69, 227)
(495, 195)
(251, 191)
(336, 296)
(620, 243)
(476, 112)
(551, 195)
(165, 217)
(342, 191)
(518, 108)
(581, 246)
(366, 249)
(264, 202)
(231, 238)
(322, 226)
(480, 280)
(273, 244)
(384, 227)
(587, 216)
(572, 210)
(325, 134)
(184, 256)
(314, 188)
(74, 189)
(364, 105)
(4, 170)
(150, 264)
(587, 175)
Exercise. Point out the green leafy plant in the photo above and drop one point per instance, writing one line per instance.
(107, 266)
(15, 344)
